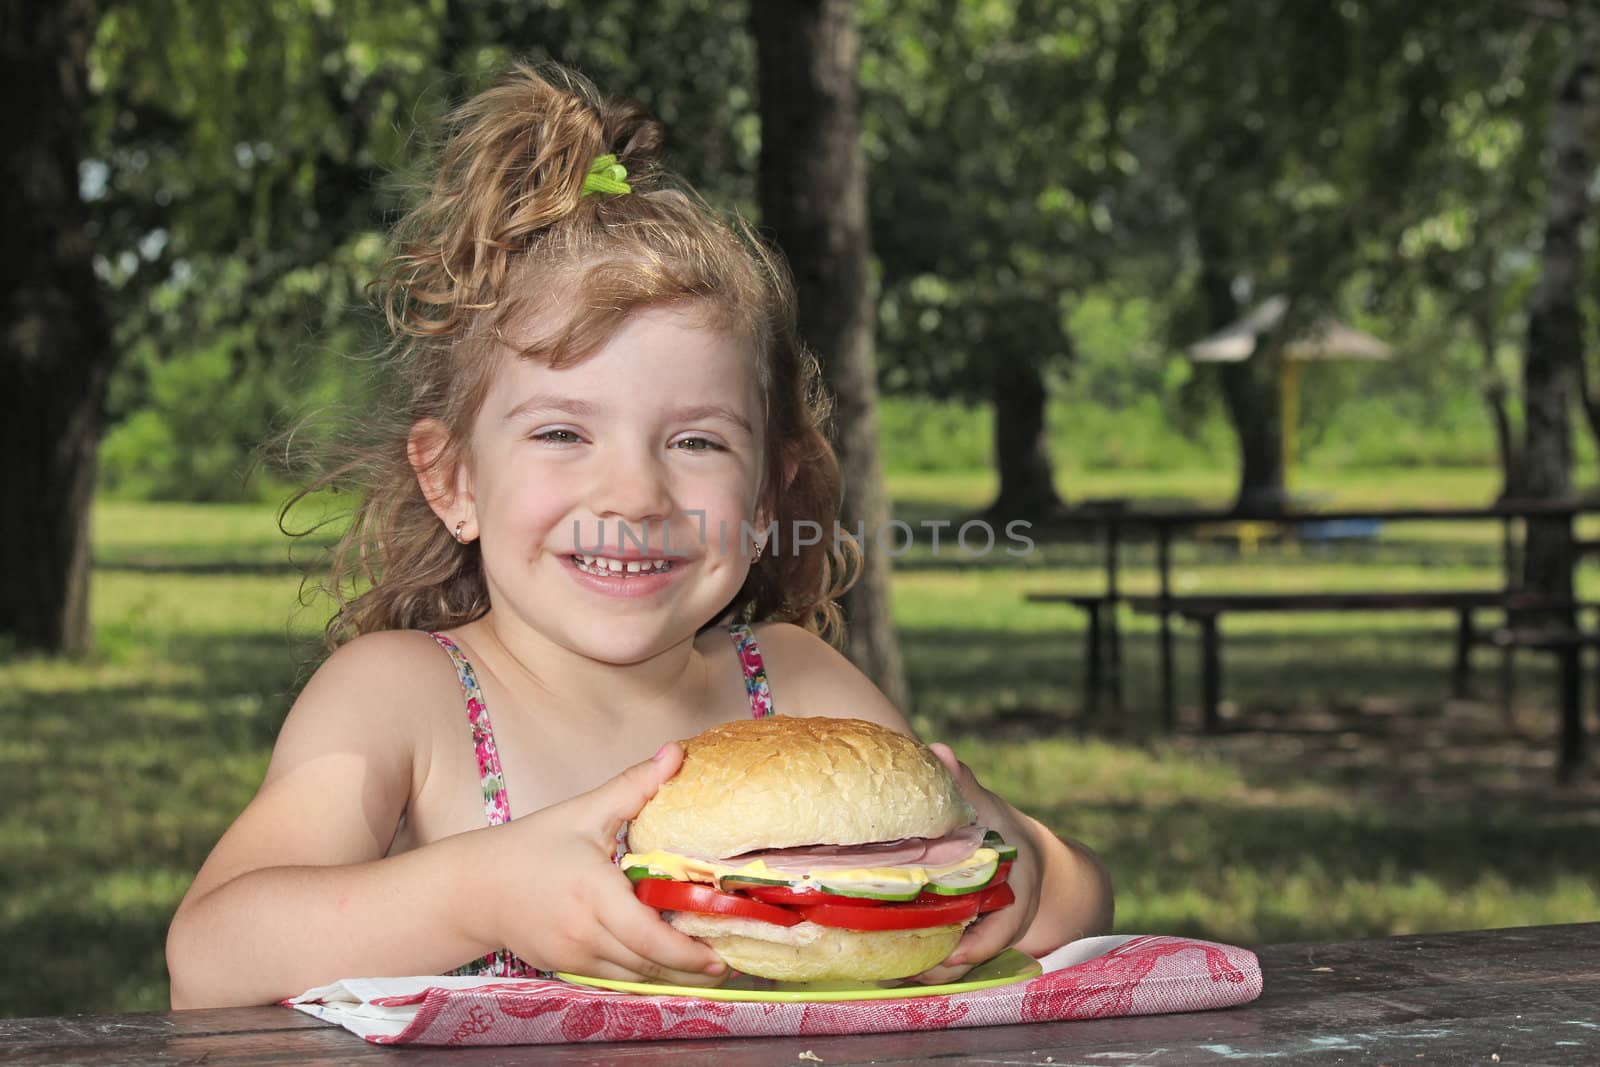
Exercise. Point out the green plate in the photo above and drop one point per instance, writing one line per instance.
(1010, 966)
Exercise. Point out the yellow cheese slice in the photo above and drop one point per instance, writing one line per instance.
(687, 869)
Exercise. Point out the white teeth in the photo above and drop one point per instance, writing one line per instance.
(604, 565)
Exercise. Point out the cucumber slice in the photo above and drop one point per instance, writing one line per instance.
(869, 889)
(995, 841)
(731, 882)
(968, 879)
(639, 874)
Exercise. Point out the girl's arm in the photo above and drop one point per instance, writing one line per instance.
(1063, 891)
(298, 892)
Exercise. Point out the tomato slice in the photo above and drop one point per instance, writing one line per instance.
(996, 897)
(913, 916)
(783, 896)
(692, 896)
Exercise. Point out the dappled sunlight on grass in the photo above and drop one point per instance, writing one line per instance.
(132, 771)
(1201, 844)
(1347, 794)
(120, 770)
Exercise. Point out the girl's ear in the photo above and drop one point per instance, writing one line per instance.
(445, 484)
(763, 514)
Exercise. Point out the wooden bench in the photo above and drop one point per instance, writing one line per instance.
(1567, 646)
(1566, 642)
(1102, 646)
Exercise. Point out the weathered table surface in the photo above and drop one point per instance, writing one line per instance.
(1524, 995)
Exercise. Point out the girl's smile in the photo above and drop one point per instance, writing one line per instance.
(631, 577)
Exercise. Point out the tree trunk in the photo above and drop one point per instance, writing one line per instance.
(1250, 388)
(1021, 444)
(1025, 328)
(1495, 394)
(812, 187)
(1555, 328)
(55, 341)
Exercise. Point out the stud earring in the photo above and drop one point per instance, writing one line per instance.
(459, 539)
(760, 547)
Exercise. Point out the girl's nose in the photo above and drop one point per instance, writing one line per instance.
(635, 490)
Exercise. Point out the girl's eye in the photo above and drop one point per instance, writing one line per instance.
(559, 437)
(697, 444)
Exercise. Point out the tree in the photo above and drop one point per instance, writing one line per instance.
(1469, 248)
(56, 352)
(1463, 240)
(250, 154)
(991, 192)
(236, 160)
(1293, 139)
(240, 154)
(812, 185)
(1554, 356)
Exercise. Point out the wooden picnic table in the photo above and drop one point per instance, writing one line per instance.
(1114, 522)
(1568, 645)
(1524, 995)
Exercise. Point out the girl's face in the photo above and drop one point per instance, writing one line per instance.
(608, 497)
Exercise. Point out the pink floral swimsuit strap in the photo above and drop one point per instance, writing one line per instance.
(755, 672)
(496, 803)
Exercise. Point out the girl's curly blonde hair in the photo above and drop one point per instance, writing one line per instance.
(505, 235)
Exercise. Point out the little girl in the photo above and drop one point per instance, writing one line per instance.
(551, 575)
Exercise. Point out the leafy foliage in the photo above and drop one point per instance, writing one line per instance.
(248, 156)
(1049, 184)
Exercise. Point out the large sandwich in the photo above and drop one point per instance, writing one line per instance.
(812, 849)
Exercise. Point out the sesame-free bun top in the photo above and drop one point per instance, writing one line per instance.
(781, 781)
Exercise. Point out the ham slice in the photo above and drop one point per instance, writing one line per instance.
(906, 852)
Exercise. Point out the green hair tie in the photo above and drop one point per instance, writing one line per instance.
(606, 175)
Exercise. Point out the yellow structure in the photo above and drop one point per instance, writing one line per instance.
(1325, 340)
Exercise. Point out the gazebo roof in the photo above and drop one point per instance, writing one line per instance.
(1328, 339)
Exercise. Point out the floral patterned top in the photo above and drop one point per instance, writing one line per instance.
(497, 806)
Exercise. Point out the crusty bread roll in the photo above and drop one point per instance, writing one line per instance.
(782, 781)
(812, 953)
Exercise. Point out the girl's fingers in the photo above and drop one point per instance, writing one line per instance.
(620, 799)
(611, 959)
(983, 940)
(958, 770)
(941, 975)
(639, 968)
(607, 967)
(656, 949)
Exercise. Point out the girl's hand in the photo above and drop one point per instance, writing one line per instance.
(998, 930)
(563, 905)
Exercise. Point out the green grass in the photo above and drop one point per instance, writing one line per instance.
(1345, 796)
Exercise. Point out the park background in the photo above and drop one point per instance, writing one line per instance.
(1057, 199)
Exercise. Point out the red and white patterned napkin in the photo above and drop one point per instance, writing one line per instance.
(1094, 978)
